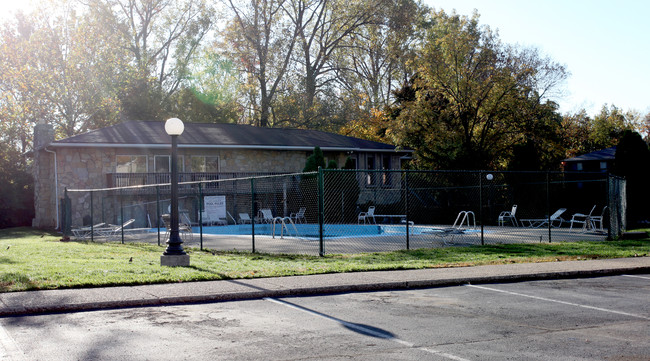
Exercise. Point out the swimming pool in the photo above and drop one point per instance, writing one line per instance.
(329, 230)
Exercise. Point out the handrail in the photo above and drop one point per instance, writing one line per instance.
(466, 217)
(283, 224)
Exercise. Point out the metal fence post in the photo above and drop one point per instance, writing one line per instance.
(480, 205)
(548, 203)
(122, 215)
(609, 204)
(92, 219)
(67, 214)
(158, 212)
(406, 206)
(253, 214)
(321, 210)
(201, 216)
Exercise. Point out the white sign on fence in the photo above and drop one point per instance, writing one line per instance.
(215, 206)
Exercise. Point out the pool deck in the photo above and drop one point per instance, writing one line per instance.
(372, 243)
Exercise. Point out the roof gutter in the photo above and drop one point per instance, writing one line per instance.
(221, 146)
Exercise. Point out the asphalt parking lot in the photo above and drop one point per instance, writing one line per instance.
(602, 318)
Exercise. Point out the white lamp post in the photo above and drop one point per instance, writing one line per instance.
(174, 255)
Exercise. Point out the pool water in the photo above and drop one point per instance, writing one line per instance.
(329, 230)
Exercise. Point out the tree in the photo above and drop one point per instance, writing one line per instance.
(317, 159)
(632, 161)
(372, 63)
(575, 130)
(263, 41)
(472, 99)
(211, 91)
(322, 27)
(609, 126)
(162, 37)
(17, 184)
(53, 70)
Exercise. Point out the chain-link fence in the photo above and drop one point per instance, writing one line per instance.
(350, 211)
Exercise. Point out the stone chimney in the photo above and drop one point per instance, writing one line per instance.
(43, 135)
(45, 206)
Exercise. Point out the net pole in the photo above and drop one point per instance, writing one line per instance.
(321, 210)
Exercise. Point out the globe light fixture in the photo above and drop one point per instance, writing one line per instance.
(174, 126)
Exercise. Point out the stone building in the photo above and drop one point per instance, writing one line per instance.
(138, 152)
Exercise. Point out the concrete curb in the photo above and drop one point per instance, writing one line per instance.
(76, 300)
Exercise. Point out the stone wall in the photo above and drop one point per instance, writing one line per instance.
(262, 161)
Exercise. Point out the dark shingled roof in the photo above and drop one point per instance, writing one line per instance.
(599, 155)
(152, 133)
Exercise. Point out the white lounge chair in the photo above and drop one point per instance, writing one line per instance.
(597, 221)
(245, 218)
(555, 220)
(83, 233)
(266, 215)
(299, 217)
(113, 231)
(212, 220)
(367, 216)
(581, 218)
(508, 216)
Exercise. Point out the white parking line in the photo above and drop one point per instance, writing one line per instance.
(366, 330)
(9, 350)
(645, 278)
(562, 302)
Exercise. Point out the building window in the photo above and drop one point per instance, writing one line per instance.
(370, 165)
(386, 165)
(131, 164)
(603, 165)
(204, 164)
(578, 166)
(162, 164)
(354, 163)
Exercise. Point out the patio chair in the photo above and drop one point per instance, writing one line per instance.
(508, 216)
(266, 215)
(299, 217)
(538, 222)
(184, 228)
(581, 218)
(367, 216)
(597, 221)
(245, 218)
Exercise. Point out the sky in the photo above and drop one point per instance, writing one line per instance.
(605, 45)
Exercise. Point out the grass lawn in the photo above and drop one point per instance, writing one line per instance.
(32, 259)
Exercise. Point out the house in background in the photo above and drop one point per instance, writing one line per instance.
(598, 161)
(138, 152)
